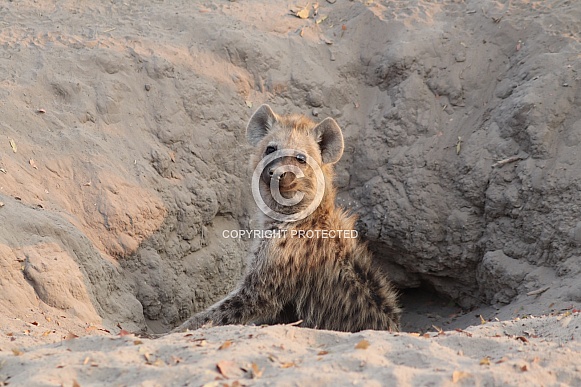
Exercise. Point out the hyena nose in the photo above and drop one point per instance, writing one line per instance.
(278, 176)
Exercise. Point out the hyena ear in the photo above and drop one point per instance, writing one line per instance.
(328, 135)
(260, 123)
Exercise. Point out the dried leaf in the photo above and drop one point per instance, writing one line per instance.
(228, 368)
(17, 352)
(303, 13)
(458, 146)
(123, 332)
(75, 383)
(459, 375)
(1, 204)
(256, 372)
(524, 368)
(439, 330)
(35, 323)
(321, 353)
(272, 358)
(522, 338)
(13, 145)
(482, 320)
(87, 359)
(71, 336)
(225, 345)
(363, 344)
(249, 103)
(288, 364)
(137, 342)
(485, 361)
(42, 111)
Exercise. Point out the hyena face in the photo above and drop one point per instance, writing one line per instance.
(293, 155)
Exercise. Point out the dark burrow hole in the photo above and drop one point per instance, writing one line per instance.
(425, 310)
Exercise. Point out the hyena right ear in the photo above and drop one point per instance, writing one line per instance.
(330, 139)
(260, 123)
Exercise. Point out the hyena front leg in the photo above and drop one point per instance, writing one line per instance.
(259, 297)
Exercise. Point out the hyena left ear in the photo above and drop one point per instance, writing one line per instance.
(330, 139)
(260, 123)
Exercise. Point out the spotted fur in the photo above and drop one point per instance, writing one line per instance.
(326, 283)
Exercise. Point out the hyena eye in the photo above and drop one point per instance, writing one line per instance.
(270, 149)
(301, 158)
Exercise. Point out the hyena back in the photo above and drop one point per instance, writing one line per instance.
(327, 283)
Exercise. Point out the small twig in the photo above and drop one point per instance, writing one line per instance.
(538, 291)
(458, 144)
(506, 161)
(294, 323)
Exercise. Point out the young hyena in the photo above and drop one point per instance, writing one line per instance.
(323, 278)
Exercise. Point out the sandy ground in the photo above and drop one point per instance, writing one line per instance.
(532, 351)
(115, 187)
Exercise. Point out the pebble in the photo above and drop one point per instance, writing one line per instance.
(315, 98)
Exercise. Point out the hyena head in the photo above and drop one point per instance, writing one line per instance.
(294, 157)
